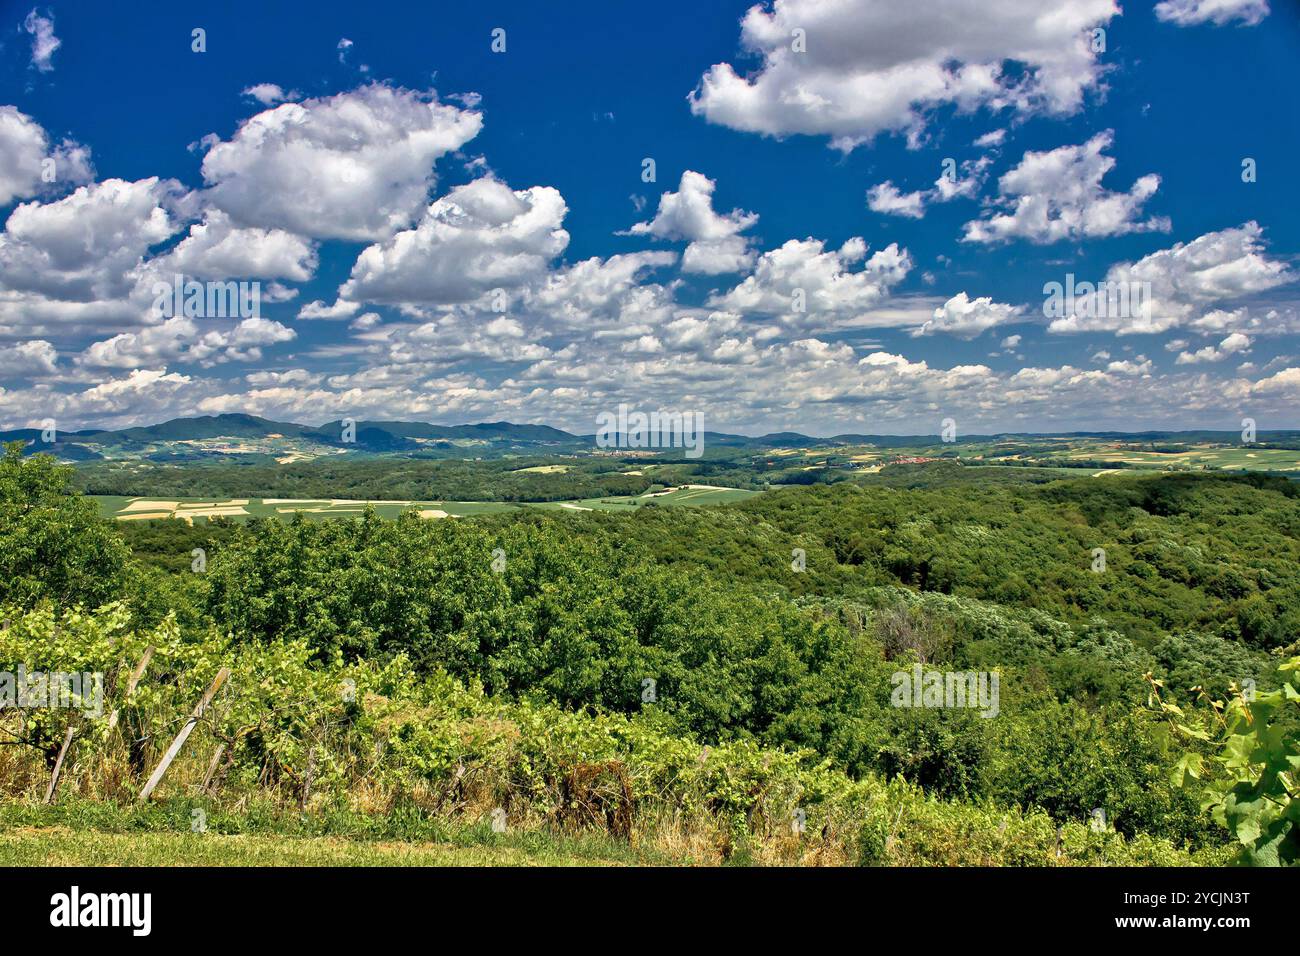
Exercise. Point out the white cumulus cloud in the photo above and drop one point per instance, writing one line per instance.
(716, 246)
(966, 318)
(1056, 195)
(1232, 345)
(479, 237)
(851, 69)
(357, 165)
(1186, 282)
(805, 284)
(24, 149)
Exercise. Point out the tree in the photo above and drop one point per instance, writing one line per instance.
(53, 544)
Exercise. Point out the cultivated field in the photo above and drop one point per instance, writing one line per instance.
(241, 509)
(1187, 458)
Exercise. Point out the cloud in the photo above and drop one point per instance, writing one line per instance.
(966, 318)
(143, 392)
(1056, 195)
(28, 359)
(357, 165)
(853, 69)
(1141, 366)
(1186, 282)
(597, 292)
(147, 347)
(479, 237)
(85, 246)
(341, 309)
(181, 339)
(24, 148)
(822, 387)
(1186, 13)
(886, 198)
(295, 376)
(1286, 382)
(269, 94)
(85, 259)
(257, 331)
(77, 341)
(44, 42)
(1284, 320)
(1232, 345)
(718, 256)
(805, 285)
(716, 246)
(688, 213)
(215, 248)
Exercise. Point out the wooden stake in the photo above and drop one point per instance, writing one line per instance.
(58, 765)
(179, 742)
(212, 766)
(132, 682)
(308, 779)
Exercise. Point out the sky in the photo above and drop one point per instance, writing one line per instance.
(825, 216)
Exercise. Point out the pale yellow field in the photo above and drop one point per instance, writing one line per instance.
(142, 509)
(147, 505)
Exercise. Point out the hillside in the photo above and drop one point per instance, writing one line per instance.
(599, 672)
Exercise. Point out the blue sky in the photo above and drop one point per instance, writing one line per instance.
(443, 232)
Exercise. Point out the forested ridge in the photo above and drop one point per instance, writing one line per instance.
(367, 479)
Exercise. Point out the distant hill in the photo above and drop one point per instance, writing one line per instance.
(486, 431)
(204, 438)
(205, 426)
(158, 442)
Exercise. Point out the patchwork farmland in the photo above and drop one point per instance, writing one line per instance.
(125, 508)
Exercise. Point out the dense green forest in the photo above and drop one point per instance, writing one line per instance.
(773, 627)
(377, 479)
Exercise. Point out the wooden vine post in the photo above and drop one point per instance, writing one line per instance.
(184, 734)
(131, 684)
(212, 767)
(58, 765)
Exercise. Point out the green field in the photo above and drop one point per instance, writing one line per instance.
(127, 508)
(1190, 457)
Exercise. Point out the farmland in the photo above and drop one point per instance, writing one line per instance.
(1200, 456)
(127, 508)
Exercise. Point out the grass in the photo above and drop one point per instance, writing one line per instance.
(80, 832)
(1192, 456)
(63, 846)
